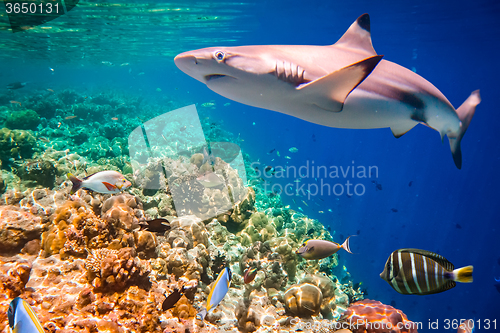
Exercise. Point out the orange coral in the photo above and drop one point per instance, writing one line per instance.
(368, 316)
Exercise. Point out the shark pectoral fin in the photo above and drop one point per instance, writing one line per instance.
(330, 91)
(400, 129)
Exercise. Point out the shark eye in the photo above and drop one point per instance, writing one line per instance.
(219, 55)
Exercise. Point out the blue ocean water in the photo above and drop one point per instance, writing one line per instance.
(417, 199)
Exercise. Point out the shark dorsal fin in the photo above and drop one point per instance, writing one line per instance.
(358, 36)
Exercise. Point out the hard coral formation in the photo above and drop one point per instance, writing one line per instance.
(24, 120)
(112, 270)
(303, 300)
(16, 144)
(368, 316)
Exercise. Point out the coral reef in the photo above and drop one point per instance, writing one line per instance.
(303, 300)
(376, 318)
(115, 270)
(23, 120)
(15, 144)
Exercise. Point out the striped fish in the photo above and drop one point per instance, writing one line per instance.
(420, 272)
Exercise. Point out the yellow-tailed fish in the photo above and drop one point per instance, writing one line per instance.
(22, 318)
(217, 292)
(420, 272)
(318, 249)
(249, 275)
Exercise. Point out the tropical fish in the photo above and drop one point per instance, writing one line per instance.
(249, 275)
(318, 249)
(171, 299)
(208, 104)
(269, 170)
(420, 272)
(51, 90)
(271, 151)
(183, 128)
(22, 318)
(218, 290)
(210, 179)
(293, 150)
(101, 182)
(70, 117)
(466, 327)
(16, 85)
(155, 225)
(15, 102)
(344, 85)
(114, 118)
(43, 139)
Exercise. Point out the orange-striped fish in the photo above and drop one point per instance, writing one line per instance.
(70, 117)
(50, 90)
(15, 102)
(114, 118)
(420, 272)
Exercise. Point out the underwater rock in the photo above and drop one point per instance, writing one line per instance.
(376, 317)
(14, 274)
(44, 202)
(42, 172)
(23, 120)
(303, 300)
(17, 227)
(16, 144)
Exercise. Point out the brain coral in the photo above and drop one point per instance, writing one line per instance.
(368, 316)
(303, 300)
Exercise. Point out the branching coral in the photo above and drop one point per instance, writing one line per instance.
(115, 270)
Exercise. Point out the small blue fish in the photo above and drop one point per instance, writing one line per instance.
(219, 289)
(22, 319)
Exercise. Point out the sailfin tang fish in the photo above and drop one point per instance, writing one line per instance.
(22, 318)
(101, 182)
(318, 249)
(420, 272)
(344, 85)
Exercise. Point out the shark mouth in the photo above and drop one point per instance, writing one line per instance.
(215, 77)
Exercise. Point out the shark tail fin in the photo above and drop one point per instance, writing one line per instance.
(465, 113)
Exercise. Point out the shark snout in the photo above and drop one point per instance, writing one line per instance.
(184, 59)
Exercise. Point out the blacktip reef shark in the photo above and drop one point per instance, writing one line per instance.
(344, 85)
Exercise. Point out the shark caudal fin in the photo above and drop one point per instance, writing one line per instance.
(465, 113)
